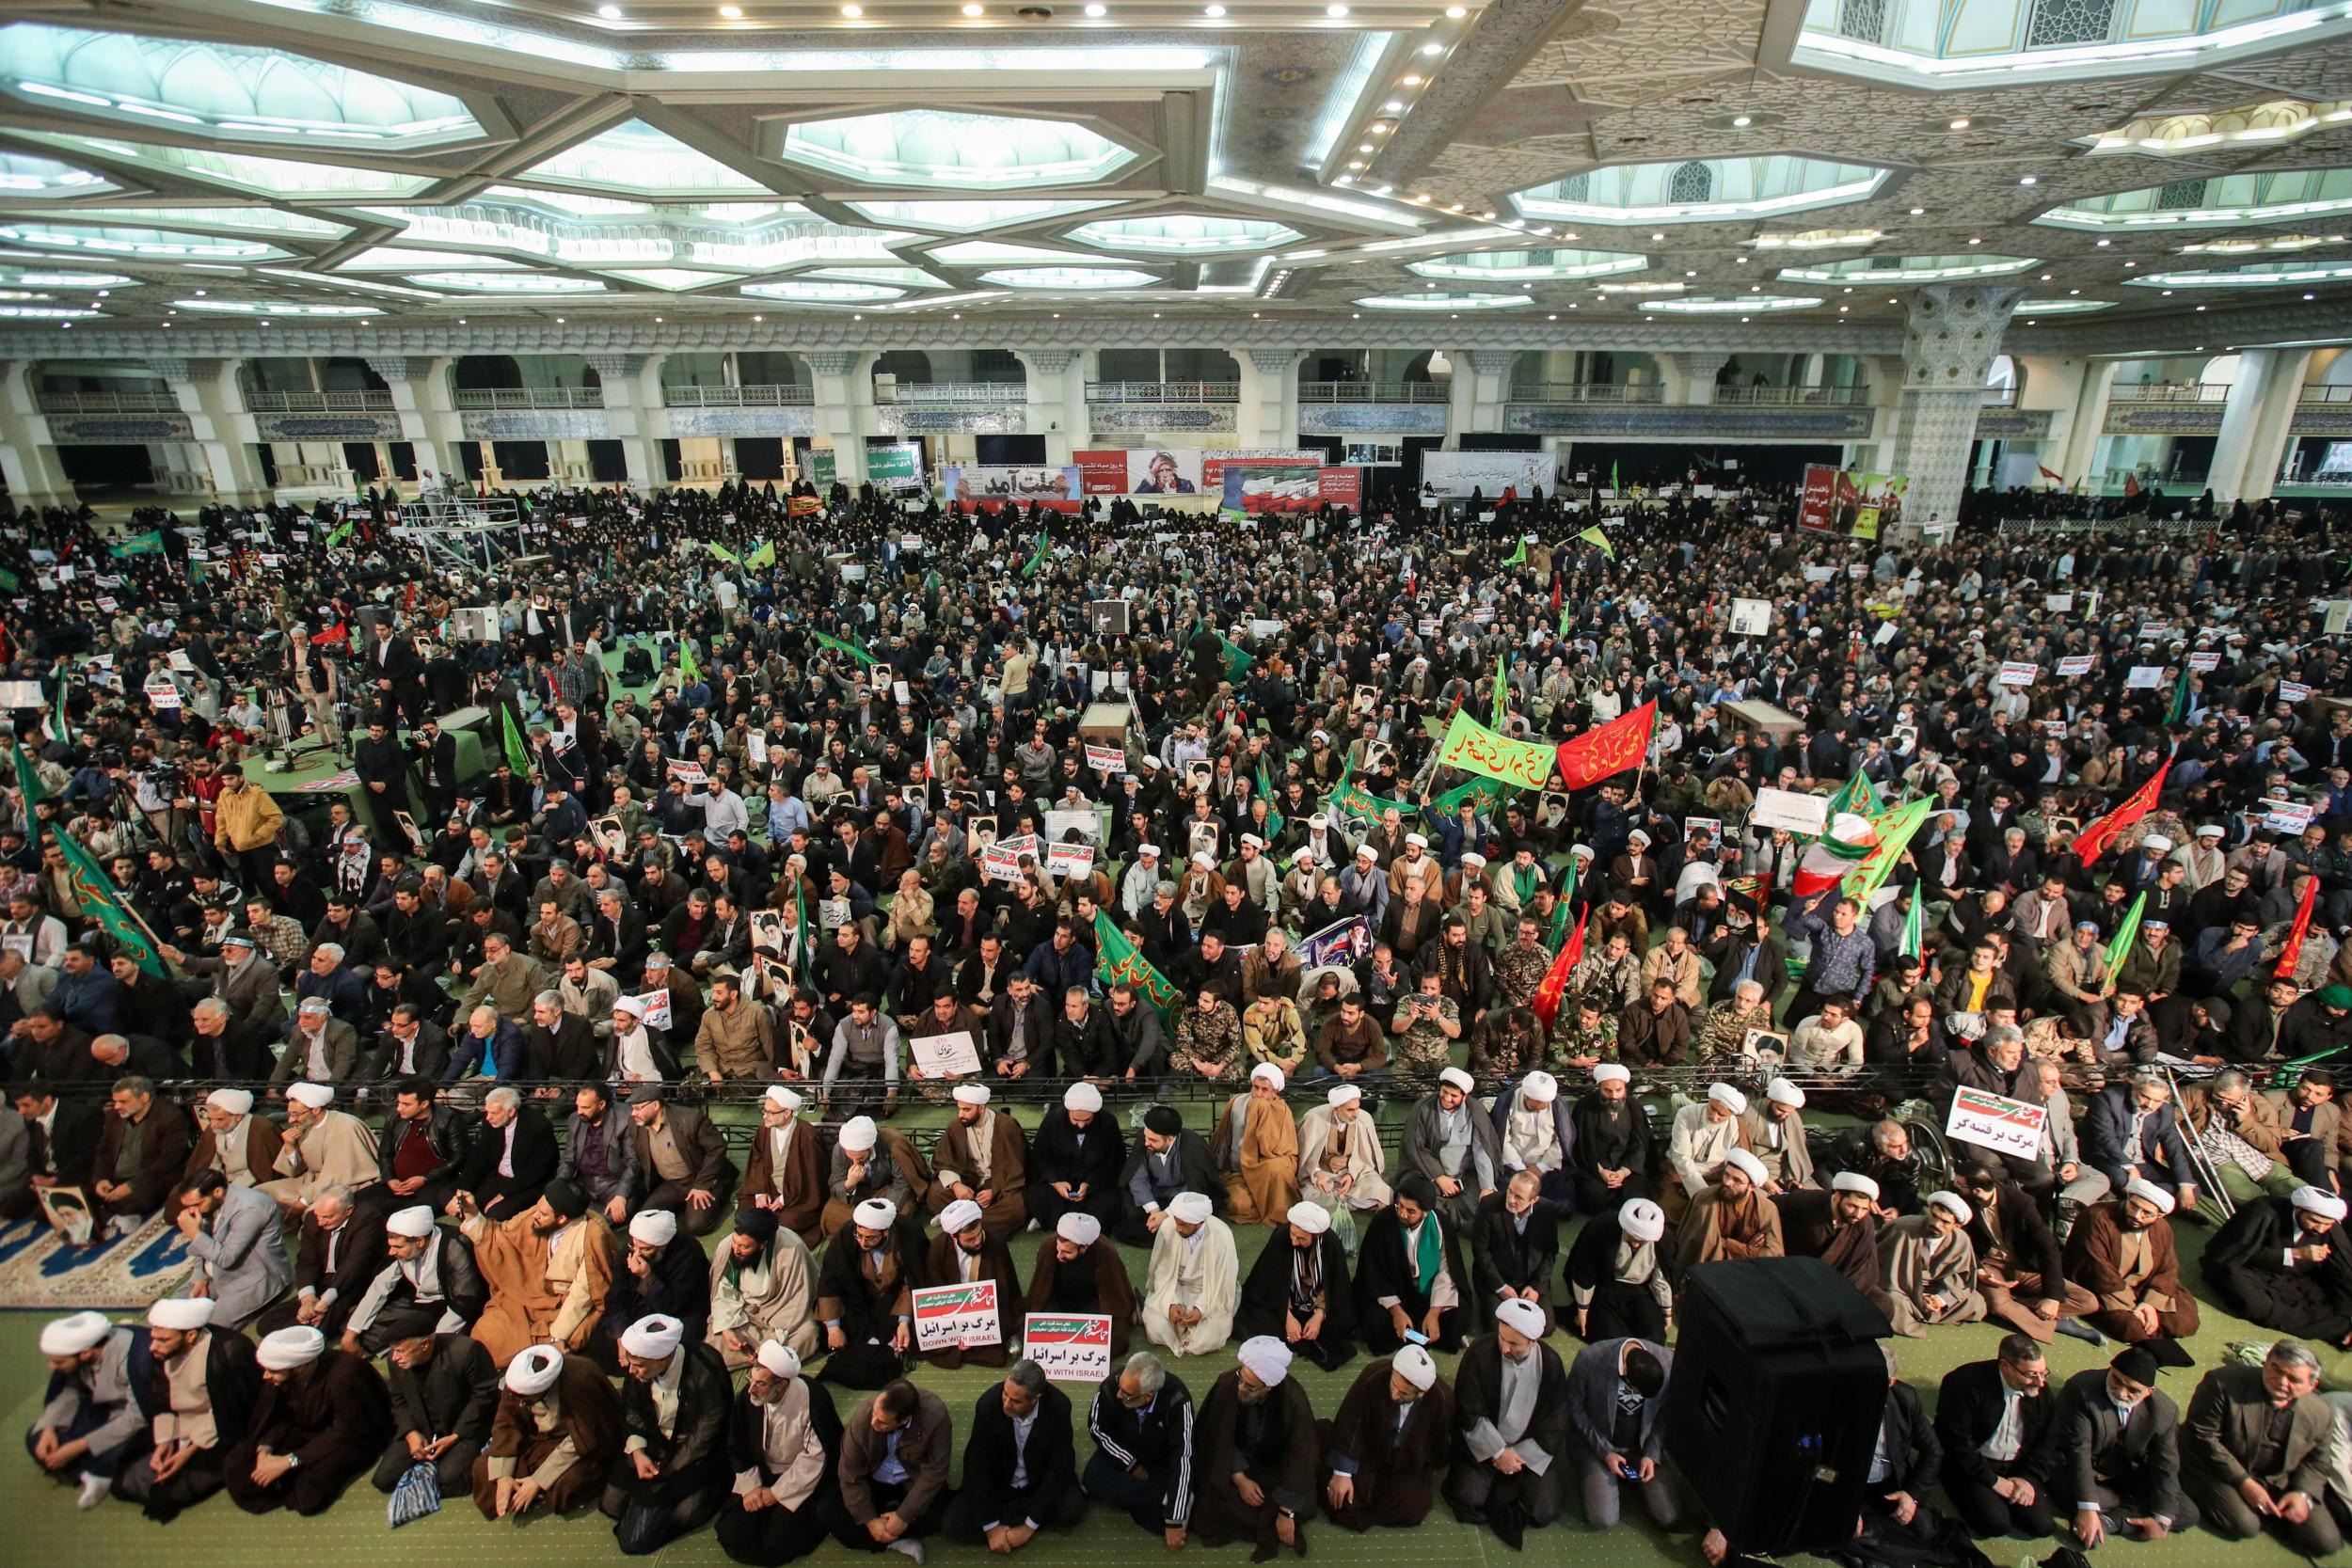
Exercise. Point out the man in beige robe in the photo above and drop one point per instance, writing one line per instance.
(1340, 1161)
(1195, 1282)
(550, 1268)
(1774, 1134)
(235, 1142)
(1929, 1267)
(763, 1286)
(982, 1157)
(1256, 1146)
(1731, 1218)
(1701, 1135)
(321, 1149)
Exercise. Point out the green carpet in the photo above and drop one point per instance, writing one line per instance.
(216, 1535)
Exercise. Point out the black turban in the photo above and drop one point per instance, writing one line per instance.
(1163, 1119)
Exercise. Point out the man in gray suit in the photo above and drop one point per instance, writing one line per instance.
(232, 1234)
(2256, 1452)
(2119, 1466)
(1617, 1394)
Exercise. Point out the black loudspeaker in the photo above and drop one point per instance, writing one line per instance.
(1772, 1411)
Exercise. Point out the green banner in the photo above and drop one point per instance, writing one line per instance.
(102, 902)
(898, 465)
(138, 544)
(1116, 962)
(822, 466)
(840, 646)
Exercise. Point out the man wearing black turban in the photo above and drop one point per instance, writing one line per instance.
(1166, 1161)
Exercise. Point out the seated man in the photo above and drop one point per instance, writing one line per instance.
(1730, 1217)
(964, 1253)
(337, 1256)
(1840, 1226)
(982, 1157)
(659, 1274)
(1075, 1159)
(683, 1159)
(2122, 1254)
(232, 1233)
(2020, 1268)
(1256, 1144)
(1896, 1516)
(142, 1149)
(1927, 1267)
(557, 1430)
(1381, 1454)
(512, 1158)
(322, 1148)
(763, 1286)
(1409, 1278)
(1703, 1135)
(1341, 1166)
(1075, 1270)
(445, 1393)
(1614, 1148)
(893, 1470)
(786, 1445)
(1449, 1140)
(1995, 1420)
(548, 1272)
(320, 1419)
(869, 1164)
(1618, 1274)
(1299, 1291)
(1514, 1240)
(1141, 1419)
(864, 1299)
(2286, 1263)
(1616, 1393)
(1019, 1464)
(1532, 1126)
(428, 1283)
(2256, 1454)
(1257, 1446)
(1511, 1425)
(672, 1473)
(783, 1173)
(1192, 1291)
(196, 1386)
(90, 1428)
(2118, 1470)
(2132, 1131)
(235, 1142)
(1165, 1161)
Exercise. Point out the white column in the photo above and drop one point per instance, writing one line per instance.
(1269, 397)
(214, 402)
(1490, 385)
(2255, 422)
(1953, 335)
(632, 390)
(1697, 371)
(2088, 422)
(28, 457)
(845, 406)
(428, 415)
(1057, 398)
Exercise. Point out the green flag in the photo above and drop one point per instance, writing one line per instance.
(1518, 557)
(1895, 830)
(1613, 482)
(2180, 697)
(1856, 797)
(1265, 788)
(808, 943)
(1488, 793)
(517, 754)
(102, 902)
(1564, 613)
(724, 553)
(27, 780)
(1598, 538)
(686, 664)
(1559, 933)
(340, 534)
(840, 646)
(9, 581)
(1914, 939)
(1350, 798)
(1502, 690)
(1116, 962)
(61, 724)
(1036, 562)
(764, 556)
(2120, 948)
(151, 543)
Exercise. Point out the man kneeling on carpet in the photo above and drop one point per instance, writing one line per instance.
(88, 1426)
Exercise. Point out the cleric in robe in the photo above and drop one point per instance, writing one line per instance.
(1166, 1161)
(1510, 1422)
(982, 1157)
(864, 1304)
(1257, 1453)
(672, 1473)
(1075, 1160)
(2286, 1263)
(322, 1419)
(195, 1386)
(660, 1272)
(1614, 1150)
(1839, 1227)
(782, 1173)
(557, 1428)
(549, 1270)
(1449, 1140)
(1077, 1270)
(763, 1286)
(1382, 1452)
(1256, 1145)
(1299, 1292)
(1536, 1134)
(1193, 1287)
(90, 1429)
(1410, 1275)
(782, 1443)
(1341, 1166)
(1927, 1267)
(965, 1252)
(1616, 1275)
(866, 1164)
(1730, 1218)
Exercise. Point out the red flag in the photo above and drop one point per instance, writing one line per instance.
(1555, 592)
(2131, 486)
(332, 635)
(2092, 841)
(2051, 474)
(2292, 951)
(1547, 997)
(1620, 744)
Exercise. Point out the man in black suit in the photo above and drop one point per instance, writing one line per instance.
(1994, 1421)
(511, 1159)
(1895, 1510)
(1513, 1243)
(60, 1141)
(1015, 1485)
(562, 1045)
(226, 1048)
(2119, 1453)
(412, 1046)
(392, 669)
(338, 1255)
(436, 755)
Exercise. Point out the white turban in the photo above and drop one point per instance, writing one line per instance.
(630, 1006)
(859, 1132)
(1854, 1182)
(2139, 1186)
(1414, 1365)
(1346, 1094)
(2314, 1200)
(1303, 856)
(1267, 1358)
(1728, 1098)
(289, 1348)
(876, 1213)
(74, 1335)
(1251, 841)
(654, 1338)
(1472, 858)
(1637, 836)
(783, 1099)
(1205, 860)
(1271, 1073)
(1641, 1219)
(1613, 1073)
(972, 1094)
(1522, 1314)
(1739, 1159)
(534, 1370)
(1191, 1208)
(1782, 1092)
(237, 1102)
(414, 1222)
(1310, 1217)
(959, 1217)
(654, 1226)
(780, 1361)
(1459, 1079)
(316, 1096)
(1082, 1096)
(1079, 1228)
(183, 1313)
(1955, 1203)
(1417, 838)
(1541, 1087)
(1583, 849)
(1142, 849)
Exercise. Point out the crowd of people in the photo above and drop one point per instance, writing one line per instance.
(855, 820)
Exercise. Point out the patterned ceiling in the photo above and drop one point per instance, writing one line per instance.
(382, 163)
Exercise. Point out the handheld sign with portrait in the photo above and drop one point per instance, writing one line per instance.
(945, 1056)
(956, 1317)
(1996, 1122)
(1069, 1347)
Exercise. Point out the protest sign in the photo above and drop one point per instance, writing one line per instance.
(1069, 1347)
(945, 1056)
(956, 1317)
(1996, 1122)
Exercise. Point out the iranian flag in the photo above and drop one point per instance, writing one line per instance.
(1828, 858)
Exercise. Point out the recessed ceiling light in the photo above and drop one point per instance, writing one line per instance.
(611, 13)
(1357, 163)
(1335, 10)
(1394, 106)
(1975, 241)
(1423, 198)
(974, 10)
(1918, 211)
(1378, 128)
(1959, 124)
(759, 318)
(1433, 48)
(1690, 274)
(2029, 179)
(1409, 81)
(854, 11)
(1456, 13)
(1363, 146)
(732, 13)
(2104, 243)
(1742, 122)
(1097, 10)
(1653, 236)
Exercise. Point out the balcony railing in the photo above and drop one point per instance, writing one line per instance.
(1580, 391)
(1372, 391)
(962, 391)
(157, 402)
(2325, 395)
(778, 394)
(318, 403)
(1163, 391)
(531, 397)
(1999, 397)
(2172, 391)
(1793, 397)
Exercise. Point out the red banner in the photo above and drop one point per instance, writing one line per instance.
(1341, 487)
(1820, 498)
(1604, 753)
(2092, 841)
(1100, 474)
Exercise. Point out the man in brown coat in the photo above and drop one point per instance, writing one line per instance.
(235, 1142)
(784, 1173)
(983, 1157)
(964, 1253)
(557, 1430)
(684, 1158)
(142, 1149)
(882, 1514)
(2122, 1252)
(737, 1038)
(1381, 1454)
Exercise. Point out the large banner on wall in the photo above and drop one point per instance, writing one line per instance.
(1175, 470)
(1457, 473)
(1055, 489)
(895, 465)
(1163, 472)
(1259, 484)
(1844, 500)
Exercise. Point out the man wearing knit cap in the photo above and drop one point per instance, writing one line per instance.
(863, 1300)
(1617, 1273)
(235, 1142)
(660, 1272)
(763, 1287)
(1075, 1159)
(964, 1253)
(982, 1157)
(1257, 1450)
(786, 1173)
(785, 1442)
(428, 1282)
(1511, 1425)
(557, 1430)
(1731, 1218)
(2286, 1263)
(2118, 1470)
(1382, 1452)
(1613, 1145)
(1299, 1291)
(1167, 1160)
(90, 1428)
(2122, 1252)
(672, 1470)
(548, 1272)
(1409, 1277)
(1927, 1267)
(1191, 1291)
(196, 1385)
(1077, 1270)
(320, 1419)
(232, 1233)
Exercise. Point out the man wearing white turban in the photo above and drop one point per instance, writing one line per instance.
(787, 1439)
(557, 1430)
(1731, 1217)
(1256, 1146)
(1257, 1450)
(322, 1148)
(1340, 1165)
(1387, 1442)
(2286, 1263)
(1617, 1273)
(672, 1470)
(90, 1428)
(1299, 1291)
(1075, 1159)
(864, 1306)
(1077, 1270)
(1927, 1267)
(1454, 1144)
(428, 1283)
(321, 1420)
(1192, 1290)
(662, 1272)
(2122, 1252)
(1702, 1134)
(235, 1142)
(965, 1252)
(982, 1156)
(1511, 1419)
(871, 1161)
(201, 1384)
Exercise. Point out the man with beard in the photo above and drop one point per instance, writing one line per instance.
(672, 1473)
(965, 1252)
(1257, 1446)
(444, 1392)
(981, 1158)
(548, 1269)
(232, 1233)
(1076, 1270)
(428, 1281)
(1730, 1217)
(1840, 1228)
(557, 1430)
(1166, 1163)
(783, 1173)
(1383, 1450)
(2122, 1252)
(2118, 1454)
(1514, 1240)
(1409, 1274)
(1448, 1141)
(1019, 1464)
(1075, 1159)
(863, 1296)
(1614, 1148)
(2286, 1263)
(1511, 1428)
(2020, 1270)
(1929, 1267)
(659, 1274)
(1297, 1291)
(784, 1443)
(90, 1428)
(195, 1386)
(1192, 1290)
(1616, 1275)
(321, 1417)
(763, 1283)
